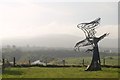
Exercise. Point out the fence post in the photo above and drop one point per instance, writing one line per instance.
(46, 62)
(104, 61)
(83, 62)
(29, 62)
(14, 61)
(63, 62)
(3, 64)
(3, 61)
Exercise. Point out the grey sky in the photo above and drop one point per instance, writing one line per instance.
(34, 18)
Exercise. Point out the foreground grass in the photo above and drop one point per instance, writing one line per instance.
(37, 72)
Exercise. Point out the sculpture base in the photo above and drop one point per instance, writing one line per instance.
(93, 67)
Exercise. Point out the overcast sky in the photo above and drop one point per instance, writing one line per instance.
(29, 18)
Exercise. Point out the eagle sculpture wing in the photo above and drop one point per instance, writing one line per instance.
(82, 43)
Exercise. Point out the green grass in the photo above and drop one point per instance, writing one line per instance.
(37, 72)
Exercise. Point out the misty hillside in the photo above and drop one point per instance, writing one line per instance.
(65, 41)
(35, 53)
(51, 46)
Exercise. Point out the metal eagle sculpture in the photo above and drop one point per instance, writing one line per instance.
(91, 40)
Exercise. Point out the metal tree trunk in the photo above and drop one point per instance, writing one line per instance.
(95, 64)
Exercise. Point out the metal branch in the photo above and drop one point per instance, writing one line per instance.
(104, 35)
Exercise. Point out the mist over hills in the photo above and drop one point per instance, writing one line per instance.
(52, 46)
(56, 41)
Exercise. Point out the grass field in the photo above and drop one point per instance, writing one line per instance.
(71, 72)
(110, 60)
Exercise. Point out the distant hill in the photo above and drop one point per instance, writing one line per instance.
(51, 46)
(65, 41)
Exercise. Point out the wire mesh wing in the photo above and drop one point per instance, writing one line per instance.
(82, 43)
(91, 24)
(89, 28)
